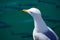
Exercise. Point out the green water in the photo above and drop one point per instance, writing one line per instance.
(16, 25)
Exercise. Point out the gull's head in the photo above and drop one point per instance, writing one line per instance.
(32, 11)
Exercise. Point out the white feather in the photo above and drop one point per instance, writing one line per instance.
(40, 25)
(39, 36)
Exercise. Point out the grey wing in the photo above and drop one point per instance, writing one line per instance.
(53, 33)
(40, 36)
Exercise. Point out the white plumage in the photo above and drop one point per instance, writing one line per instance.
(41, 30)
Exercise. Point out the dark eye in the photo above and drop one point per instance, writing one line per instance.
(31, 12)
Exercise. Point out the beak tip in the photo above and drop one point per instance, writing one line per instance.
(24, 10)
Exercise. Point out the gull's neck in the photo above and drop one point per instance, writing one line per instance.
(39, 23)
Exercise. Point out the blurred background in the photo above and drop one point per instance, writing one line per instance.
(16, 25)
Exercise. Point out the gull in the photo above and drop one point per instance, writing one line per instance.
(41, 31)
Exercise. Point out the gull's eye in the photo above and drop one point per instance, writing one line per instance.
(31, 12)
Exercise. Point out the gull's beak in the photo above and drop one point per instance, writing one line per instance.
(24, 10)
